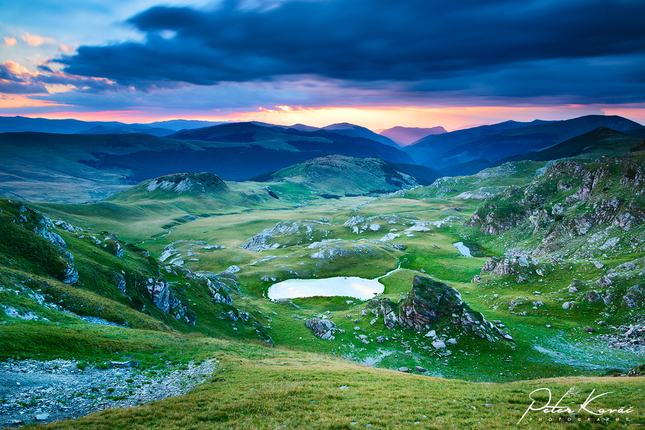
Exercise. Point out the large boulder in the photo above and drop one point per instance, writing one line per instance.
(428, 301)
(322, 327)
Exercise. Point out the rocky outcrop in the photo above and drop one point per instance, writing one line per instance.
(180, 310)
(383, 308)
(119, 281)
(159, 291)
(634, 297)
(499, 213)
(322, 327)
(44, 229)
(218, 289)
(430, 302)
(112, 243)
(69, 275)
(261, 241)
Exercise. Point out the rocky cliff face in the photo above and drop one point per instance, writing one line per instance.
(159, 291)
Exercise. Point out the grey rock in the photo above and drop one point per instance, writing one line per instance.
(232, 269)
(604, 281)
(120, 282)
(403, 369)
(438, 344)
(44, 229)
(118, 250)
(380, 339)
(593, 296)
(322, 328)
(159, 291)
(420, 369)
(634, 296)
(260, 241)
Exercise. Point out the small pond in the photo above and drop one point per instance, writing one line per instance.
(345, 286)
(463, 249)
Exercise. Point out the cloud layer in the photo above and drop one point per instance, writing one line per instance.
(576, 50)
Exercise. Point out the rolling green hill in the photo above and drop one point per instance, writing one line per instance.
(338, 175)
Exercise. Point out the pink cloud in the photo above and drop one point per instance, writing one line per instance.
(35, 40)
(9, 41)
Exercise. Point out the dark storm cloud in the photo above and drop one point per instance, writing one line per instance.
(465, 45)
(18, 83)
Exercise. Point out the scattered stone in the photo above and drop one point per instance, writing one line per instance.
(420, 369)
(604, 281)
(593, 296)
(403, 369)
(380, 339)
(438, 344)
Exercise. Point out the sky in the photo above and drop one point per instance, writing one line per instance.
(376, 63)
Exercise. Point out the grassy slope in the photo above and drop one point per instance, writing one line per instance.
(259, 387)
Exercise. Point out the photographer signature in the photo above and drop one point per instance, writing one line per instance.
(558, 408)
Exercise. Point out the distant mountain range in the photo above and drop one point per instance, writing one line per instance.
(65, 166)
(78, 168)
(507, 139)
(404, 136)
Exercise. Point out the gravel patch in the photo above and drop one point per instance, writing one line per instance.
(35, 391)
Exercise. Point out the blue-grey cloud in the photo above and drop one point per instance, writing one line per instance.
(16, 83)
(473, 47)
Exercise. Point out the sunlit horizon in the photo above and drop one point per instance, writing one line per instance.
(373, 118)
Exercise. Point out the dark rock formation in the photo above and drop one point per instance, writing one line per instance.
(430, 301)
